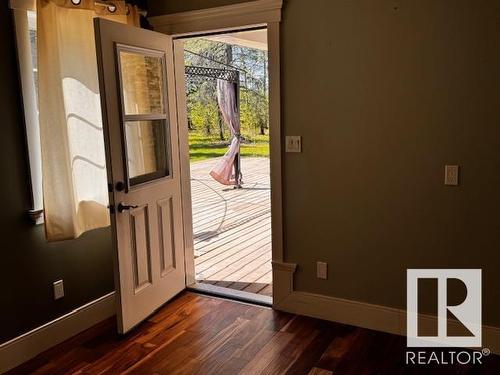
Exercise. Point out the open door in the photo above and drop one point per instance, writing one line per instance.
(136, 78)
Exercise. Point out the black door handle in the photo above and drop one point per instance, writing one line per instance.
(122, 207)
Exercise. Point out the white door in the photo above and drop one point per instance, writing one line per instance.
(136, 79)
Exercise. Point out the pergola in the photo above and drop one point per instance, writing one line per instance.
(230, 75)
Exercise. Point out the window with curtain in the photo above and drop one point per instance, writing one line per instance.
(58, 69)
(26, 41)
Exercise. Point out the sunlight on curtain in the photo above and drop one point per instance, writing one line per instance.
(73, 159)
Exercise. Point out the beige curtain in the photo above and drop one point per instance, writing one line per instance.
(73, 160)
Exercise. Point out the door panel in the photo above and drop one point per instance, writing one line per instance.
(138, 104)
(141, 249)
(167, 236)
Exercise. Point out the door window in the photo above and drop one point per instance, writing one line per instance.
(145, 124)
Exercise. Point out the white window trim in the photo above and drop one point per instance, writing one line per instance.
(20, 10)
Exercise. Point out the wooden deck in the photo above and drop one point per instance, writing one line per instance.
(232, 228)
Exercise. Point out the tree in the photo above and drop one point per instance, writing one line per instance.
(252, 65)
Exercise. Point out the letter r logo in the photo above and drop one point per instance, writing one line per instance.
(468, 312)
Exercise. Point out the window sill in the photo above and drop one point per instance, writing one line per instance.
(36, 216)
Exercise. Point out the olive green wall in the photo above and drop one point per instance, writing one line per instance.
(384, 94)
(28, 265)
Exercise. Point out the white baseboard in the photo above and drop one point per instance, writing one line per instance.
(365, 315)
(30, 344)
(379, 318)
(359, 314)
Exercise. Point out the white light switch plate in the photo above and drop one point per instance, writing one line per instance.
(451, 175)
(58, 289)
(322, 270)
(293, 143)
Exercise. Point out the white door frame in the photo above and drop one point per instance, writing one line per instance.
(234, 17)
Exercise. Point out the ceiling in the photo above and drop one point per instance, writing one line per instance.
(256, 39)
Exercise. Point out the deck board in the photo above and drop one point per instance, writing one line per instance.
(232, 227)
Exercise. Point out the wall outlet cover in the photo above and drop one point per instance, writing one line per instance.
(451, 175)
(58, 289)
(322, 270)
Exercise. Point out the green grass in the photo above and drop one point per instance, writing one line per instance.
(202, 147)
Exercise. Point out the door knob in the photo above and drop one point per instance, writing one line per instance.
(120, 186)
(122, 207)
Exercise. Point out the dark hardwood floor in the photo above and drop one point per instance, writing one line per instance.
(196, 334)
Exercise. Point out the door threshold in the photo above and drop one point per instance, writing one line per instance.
(238, 295)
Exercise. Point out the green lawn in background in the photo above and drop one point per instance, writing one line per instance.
(202, 147)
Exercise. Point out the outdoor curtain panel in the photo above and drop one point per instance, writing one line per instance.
(73, 160)
(223, 172)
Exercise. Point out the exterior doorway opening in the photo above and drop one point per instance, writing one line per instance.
(227, 100)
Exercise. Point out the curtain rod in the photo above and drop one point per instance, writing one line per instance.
(31, 5)
(110, 4)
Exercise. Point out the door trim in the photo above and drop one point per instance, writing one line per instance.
(182, 131)
(232, 17)
(223, 18)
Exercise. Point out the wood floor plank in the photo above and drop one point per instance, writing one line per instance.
(311, 354)
(269, 353)
(153, 338)
(319, 371)
(201, 336)
(338, 347)
(291, 352)
(239, 350)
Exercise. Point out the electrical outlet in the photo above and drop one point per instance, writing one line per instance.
(451, 175)
(293, 143)
(322, 270)
(58, 289)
